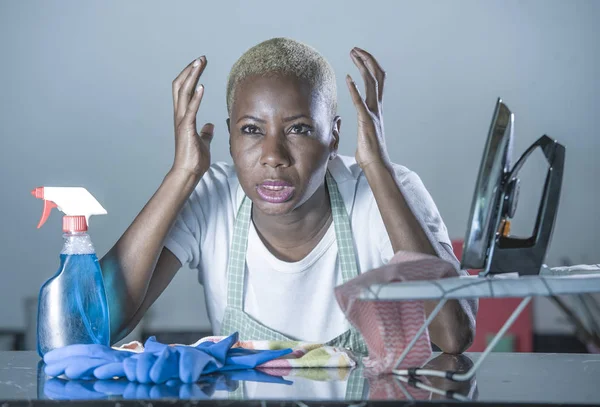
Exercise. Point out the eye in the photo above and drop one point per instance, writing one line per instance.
(301, 129)
(250, 129)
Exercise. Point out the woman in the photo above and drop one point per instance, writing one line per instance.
(274, 233)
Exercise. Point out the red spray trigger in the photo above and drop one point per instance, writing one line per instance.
(48, 205)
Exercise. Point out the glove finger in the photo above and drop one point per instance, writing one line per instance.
(144, 364)
(81, 366)
(90, 350)
(120, 355)
(109, 371)
(219, 350)
(56, 368)
(191, 363)
(130, 366)
(153, 346)
(111, 387)
(166, 366)
(173, 382)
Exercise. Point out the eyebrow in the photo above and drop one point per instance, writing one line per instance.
(246, 116)
(286, 119)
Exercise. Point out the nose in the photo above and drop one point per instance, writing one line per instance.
(275, 152)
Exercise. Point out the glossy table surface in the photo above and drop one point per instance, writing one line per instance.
(502, 378)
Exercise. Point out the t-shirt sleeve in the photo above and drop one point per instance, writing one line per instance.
(425, 211)
(206, 203)
(184, 237)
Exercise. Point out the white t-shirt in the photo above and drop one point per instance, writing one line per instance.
(296, 299)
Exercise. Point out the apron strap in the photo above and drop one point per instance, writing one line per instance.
(343, 231)
(236, 266)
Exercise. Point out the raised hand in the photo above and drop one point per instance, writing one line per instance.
(371, 140)
(192, 150)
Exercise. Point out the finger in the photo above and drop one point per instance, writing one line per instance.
(191, 363)
(189, 116)
(207, 132)
(82, 366)
(186, 91)
(143, 367)
(92, 350)
(375, 68)
(130, 366)
(359, 103)
(109, 371)
(56, 368)
(177, 82)
(166, 366)
(370, 80)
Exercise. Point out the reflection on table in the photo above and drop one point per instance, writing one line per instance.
(282, 384)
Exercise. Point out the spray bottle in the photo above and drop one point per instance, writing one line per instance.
(72, 306)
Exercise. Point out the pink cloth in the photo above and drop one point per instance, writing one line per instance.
(388, 326)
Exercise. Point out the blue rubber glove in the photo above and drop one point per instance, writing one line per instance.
(178, 362)
(86, 362)
(188, 363)
(158, 363)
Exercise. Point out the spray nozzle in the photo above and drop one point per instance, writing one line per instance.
(76, 203)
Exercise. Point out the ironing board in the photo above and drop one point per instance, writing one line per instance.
(549, 282)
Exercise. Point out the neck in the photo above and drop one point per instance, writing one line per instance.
(294, 235)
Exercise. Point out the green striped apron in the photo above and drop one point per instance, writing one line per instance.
(236, 320)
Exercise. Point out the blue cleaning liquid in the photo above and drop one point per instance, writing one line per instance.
(72, 305)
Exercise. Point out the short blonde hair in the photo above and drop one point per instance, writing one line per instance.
(285, 56)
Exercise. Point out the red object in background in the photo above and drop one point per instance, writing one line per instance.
(493, 313)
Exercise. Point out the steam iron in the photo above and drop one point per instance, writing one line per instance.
(488, 244)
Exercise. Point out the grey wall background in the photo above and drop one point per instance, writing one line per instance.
(85, 100)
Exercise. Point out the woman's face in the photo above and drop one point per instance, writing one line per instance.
(281, 137)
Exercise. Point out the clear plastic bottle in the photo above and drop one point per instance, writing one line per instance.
(72, 306)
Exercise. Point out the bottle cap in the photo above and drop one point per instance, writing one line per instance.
(74, 224)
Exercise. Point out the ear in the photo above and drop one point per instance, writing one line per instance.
(335, 132)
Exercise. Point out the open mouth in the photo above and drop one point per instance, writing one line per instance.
(275, 191)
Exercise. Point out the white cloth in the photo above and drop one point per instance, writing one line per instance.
(296, 299)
